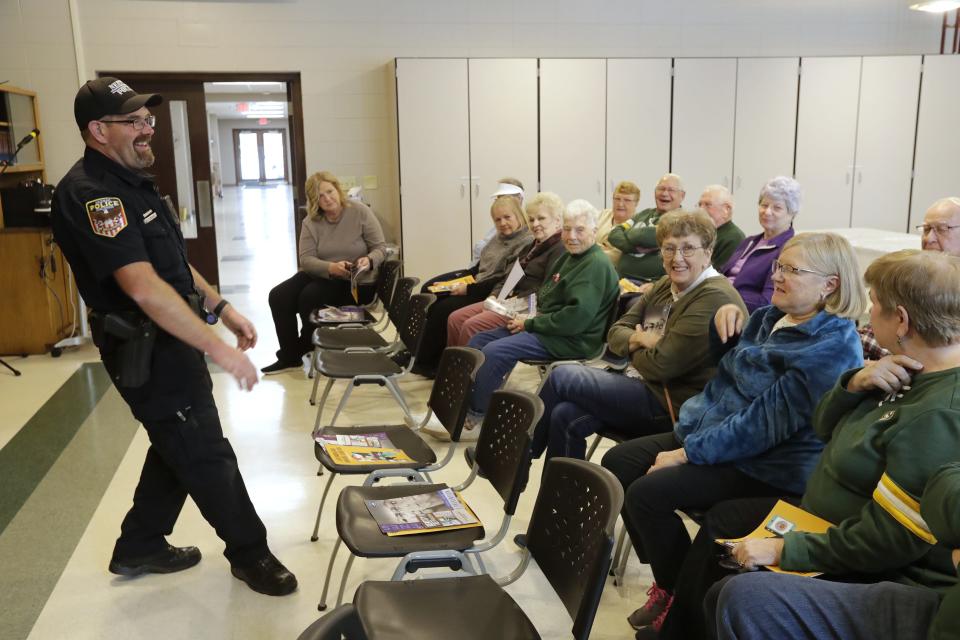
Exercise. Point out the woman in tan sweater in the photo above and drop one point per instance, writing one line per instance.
(337, 236)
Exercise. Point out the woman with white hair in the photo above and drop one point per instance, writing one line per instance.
(572, 309)
(749, 267)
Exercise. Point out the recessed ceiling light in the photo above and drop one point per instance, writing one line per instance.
(936, 6)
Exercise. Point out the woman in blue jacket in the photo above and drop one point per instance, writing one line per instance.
(749, 433)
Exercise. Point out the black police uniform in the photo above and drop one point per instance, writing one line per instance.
(105, 217)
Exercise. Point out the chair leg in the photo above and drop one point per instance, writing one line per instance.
(326, 581)
(315, 375)
(619, 550)
(323, 501)
(343, 401)
(343, 580)
(323, 401)
(398, 395)
(593, 447)
(621, 569)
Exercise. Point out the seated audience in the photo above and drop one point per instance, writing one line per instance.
(572, 309)
(626, 196)
(888, 426)
(940, 232)
(506, 188)
(497, 257)
(756, 606)
(637, 237)
(717, 201)
(749, 266)
(544, 217)
(337, 237)
(665, 336)
(748, 433)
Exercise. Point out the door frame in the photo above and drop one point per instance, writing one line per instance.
(298, 162)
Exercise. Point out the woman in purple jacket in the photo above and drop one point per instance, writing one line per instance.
(749, 267)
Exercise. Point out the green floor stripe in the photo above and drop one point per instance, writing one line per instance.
(28, 456)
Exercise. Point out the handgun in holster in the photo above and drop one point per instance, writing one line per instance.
(131, 340)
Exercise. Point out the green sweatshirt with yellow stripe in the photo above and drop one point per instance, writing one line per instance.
(878, 458)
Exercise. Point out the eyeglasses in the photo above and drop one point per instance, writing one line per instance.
(667, 190)
(939, 229)
(136, 123)
(785, 269)
(624, 199)
(670, 251)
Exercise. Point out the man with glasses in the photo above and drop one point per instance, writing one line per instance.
(940, 231)
(637, 237)
(123, 242)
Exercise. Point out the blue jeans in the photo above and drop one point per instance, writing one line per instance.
(580, 400)
(502, 350)
(769, 605)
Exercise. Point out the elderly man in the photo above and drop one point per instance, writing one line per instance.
(572, 309)
(940, 231)
(717, 201)
(637, 237)
(123, 242)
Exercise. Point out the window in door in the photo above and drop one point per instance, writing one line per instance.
(261, 156)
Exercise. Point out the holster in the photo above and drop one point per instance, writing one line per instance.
(127, 338)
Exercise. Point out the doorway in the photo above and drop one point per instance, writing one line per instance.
(260, 156)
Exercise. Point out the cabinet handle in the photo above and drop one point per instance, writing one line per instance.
(600, 186)
(476, 190)
(463, 190)
(859, 177)
(726, 182)
(846, 179)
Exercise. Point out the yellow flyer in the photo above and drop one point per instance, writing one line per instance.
(360, 456)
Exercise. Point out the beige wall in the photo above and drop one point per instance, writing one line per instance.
(342, 48)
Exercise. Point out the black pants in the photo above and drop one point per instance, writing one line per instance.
(188, 455)
(701, 568)
(298, 296)
(650, 501)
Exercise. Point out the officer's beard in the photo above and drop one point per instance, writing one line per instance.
(144, 153)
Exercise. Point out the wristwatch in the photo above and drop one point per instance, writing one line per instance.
(213, 316)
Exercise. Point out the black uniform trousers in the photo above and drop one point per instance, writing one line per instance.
(188, 455)
(299, 295)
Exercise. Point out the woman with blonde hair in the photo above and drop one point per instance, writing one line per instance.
(338, 237)
(749, 432)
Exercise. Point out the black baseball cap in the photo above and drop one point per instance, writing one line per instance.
(109, 96)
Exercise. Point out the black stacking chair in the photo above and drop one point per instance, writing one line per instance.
(570, 537)
(502, 458)
(340, 623)
(386, 280)
(448, 400)
(365, 366)
(343, 337)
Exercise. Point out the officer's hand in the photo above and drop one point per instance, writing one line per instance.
(237, 364)
(241, 327)
(339, 269)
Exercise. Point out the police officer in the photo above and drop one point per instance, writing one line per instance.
(125, 247)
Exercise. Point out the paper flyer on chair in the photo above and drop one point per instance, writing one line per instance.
(441, 510)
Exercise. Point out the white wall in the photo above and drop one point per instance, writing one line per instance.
(227, 164)
(342, 49)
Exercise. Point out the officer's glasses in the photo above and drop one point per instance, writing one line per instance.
(136, 123)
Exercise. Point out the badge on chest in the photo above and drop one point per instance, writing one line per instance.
(107, 217)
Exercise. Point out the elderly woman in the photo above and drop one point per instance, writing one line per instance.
(572, 309)
(513, 237)
(544, 214)
(665, 335)
(337, 237)
(756, 606)
(748, 433)
(749, 267)
(626, 196)
(888, 426)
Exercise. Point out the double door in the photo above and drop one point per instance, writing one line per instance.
(463, 125)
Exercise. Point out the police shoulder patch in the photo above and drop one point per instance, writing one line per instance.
(107, 217)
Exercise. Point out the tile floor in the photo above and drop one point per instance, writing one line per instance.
(55, 546)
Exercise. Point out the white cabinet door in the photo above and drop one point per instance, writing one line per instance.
(638, 124)
(826, 139)
(766, 128)
(572, 128)
(704, 98)
(434, 165)
(937, 170)
(889, 86)
(503, 131)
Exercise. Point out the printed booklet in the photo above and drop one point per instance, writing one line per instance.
(340, 314)
(446, 285)
(361, 449)
(441, 510)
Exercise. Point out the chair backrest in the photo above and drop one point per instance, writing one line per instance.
(453, 386)
(340, 623)
(414, 321)
(398, 301)
(506, 435)
(387, 281)
(571, 534)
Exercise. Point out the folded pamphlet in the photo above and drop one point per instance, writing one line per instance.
(361, 449)
(446, 285)
(442, 510)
